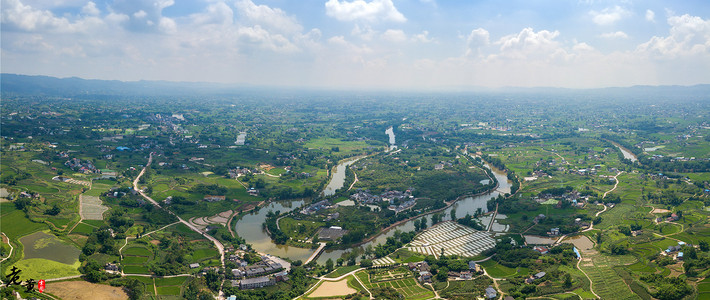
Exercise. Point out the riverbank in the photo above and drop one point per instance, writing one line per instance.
(448, 205)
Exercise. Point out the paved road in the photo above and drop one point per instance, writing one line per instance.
(217, 243)
(315, 254)
(615, 185)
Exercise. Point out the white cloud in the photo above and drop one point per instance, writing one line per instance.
(144, 15)
(478, 38)
(366, 33)
(394, 35)
(609, 15)
(689, 35)
(271, 18)
(26, 18)
(167, 25)
(423, 37)
(265, 39)
(90, 9)
(614, 35)
(140, 14)
(529, 44)
(650, 16)
(216, 13)
(375, 10)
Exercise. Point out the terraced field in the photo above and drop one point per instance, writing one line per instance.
(92, 208)
(135, 259)
(606, 283)
(407, 286)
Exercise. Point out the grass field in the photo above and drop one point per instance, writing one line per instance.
(135, 269)
(201, 254)
(15, 224)
(84, 229)
(299, 229)
(169, 290)
(170, 281)
(496, 270)
(134, 260)
(342, 271)
(40, 268)
(138, 251)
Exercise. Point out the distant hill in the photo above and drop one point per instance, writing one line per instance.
(14, 84)
(74, 86)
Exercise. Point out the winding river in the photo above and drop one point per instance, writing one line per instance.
(250, 227)
(338, 178)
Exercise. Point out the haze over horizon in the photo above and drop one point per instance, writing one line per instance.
(424, 44)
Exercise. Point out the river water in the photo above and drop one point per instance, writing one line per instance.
(390, 133)
(250, 227)
(627, 154)
(338, 178)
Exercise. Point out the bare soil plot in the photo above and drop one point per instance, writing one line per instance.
(92, 208)
(81, 290)
(333, 288)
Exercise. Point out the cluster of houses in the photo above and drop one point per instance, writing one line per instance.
(85, 167)
(424, 270)
(365, 197)
(404, 205)
(675, 250)
(574, 197)
(213, 198)
(315, 207)
(265, 273)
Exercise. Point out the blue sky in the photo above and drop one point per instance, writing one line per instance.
(392, 44)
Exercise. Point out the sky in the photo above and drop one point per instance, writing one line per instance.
(368, 44)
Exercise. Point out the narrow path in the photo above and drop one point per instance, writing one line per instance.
(591, 225)
(364, 287)
(591, 283)
(147, 234)
(493, 219)
(615, 185)
(11, 248)
(354, 181)
(558, 155)
(495, 283)
(237, 179)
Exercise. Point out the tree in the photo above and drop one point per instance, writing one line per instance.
(55, 210)
(453, 214)
(443, 274)
(704, 246)
(568, 280)
(366, 263)
(329, 265)
(213, 280)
